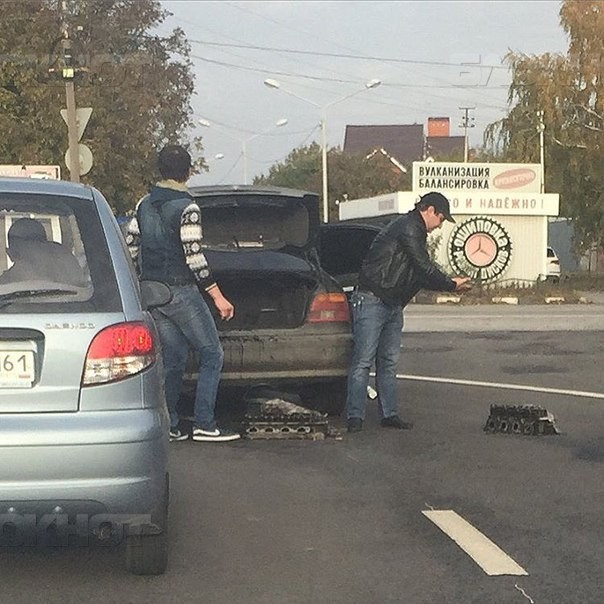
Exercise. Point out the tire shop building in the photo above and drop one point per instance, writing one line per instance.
(501, 230)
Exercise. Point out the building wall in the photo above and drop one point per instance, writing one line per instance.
(528, 235)
(438, 126)
(527, 232)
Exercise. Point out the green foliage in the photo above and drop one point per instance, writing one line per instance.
(138, 83)
(301, 169)
(349, 176)
(569, 89)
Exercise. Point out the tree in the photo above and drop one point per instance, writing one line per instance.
(350, 176)
(138, 82)
(569, 89)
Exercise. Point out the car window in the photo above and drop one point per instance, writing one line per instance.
(551, 253)
(53, 256)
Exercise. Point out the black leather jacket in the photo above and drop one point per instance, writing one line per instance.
(398, 265)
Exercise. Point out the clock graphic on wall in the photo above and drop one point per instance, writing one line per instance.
(480, 248)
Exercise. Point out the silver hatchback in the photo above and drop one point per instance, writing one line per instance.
(83, 421)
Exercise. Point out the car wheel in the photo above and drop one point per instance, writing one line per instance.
(327, 397)
(146, 552)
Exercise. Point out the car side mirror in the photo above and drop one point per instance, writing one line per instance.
(154, 294)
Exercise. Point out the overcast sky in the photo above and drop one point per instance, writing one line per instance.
(431, 57)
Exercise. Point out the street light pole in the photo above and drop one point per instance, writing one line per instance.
(324, 165)
(271, 83)
(278, 124)
(540, 129)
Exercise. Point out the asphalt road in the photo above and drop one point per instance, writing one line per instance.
(342, 521)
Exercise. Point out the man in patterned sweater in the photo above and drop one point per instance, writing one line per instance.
(165, 239)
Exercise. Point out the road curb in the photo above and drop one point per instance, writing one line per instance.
(507, 300)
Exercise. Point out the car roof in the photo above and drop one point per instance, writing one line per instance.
(258, 189)
(10, 184)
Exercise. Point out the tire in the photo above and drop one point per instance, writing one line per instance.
(147, 552)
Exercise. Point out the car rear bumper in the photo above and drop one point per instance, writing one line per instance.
(314, 353)
(113, 461)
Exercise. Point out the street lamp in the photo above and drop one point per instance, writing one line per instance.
(278, 124)
(271, 83)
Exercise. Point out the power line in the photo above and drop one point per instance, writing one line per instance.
(336, 55)
(335, 80)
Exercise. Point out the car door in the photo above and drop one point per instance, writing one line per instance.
(342, 249)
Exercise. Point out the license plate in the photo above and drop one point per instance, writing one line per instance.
(17, 368)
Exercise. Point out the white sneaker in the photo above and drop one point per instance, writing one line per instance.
(217, 435)
(176, 435)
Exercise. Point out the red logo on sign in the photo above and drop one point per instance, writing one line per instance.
(514, 179)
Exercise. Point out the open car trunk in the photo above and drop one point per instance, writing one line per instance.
(258, 243)
(269, 290)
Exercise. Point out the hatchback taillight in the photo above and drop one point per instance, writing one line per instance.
(119, 351)
(329, 308)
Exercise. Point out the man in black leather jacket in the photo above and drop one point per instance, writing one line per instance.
(396, 267)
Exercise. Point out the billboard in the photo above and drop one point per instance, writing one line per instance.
(43, 172)
(476, 177)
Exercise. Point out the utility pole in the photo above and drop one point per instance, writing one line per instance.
(540, 129)
(466, 123)
(68, 74)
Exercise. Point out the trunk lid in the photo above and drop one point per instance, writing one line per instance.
(241, 218)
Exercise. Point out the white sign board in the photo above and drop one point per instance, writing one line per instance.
(380, 205)
(476, 177)
(514, 203)
(42, 172)
(85, 156)
(462, 202)
(82, 116)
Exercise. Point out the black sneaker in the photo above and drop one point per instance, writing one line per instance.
(218, 435)
(355, 424)
(176, 434)
(394, 421)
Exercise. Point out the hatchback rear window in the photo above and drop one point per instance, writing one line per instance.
(53, 256)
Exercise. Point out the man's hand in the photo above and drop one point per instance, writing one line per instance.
(225, 309)
(462, 284)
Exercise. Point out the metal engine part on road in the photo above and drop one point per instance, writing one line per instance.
(276, 418)
(527, 420)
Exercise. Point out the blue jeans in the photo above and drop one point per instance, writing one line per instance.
(183, 324)
(376, 334)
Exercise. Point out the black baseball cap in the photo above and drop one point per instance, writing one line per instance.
(439, 202)
(174, 162)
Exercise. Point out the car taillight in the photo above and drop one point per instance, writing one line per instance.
(329, 308)
(119, 351)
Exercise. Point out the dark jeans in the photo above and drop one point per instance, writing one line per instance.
(376, 333)
(183, 324)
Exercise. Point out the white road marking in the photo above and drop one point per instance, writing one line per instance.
(492, 559)
(463, 317)
(424, 378)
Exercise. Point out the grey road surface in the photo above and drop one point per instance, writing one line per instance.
(493, 317)
(342, 522)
